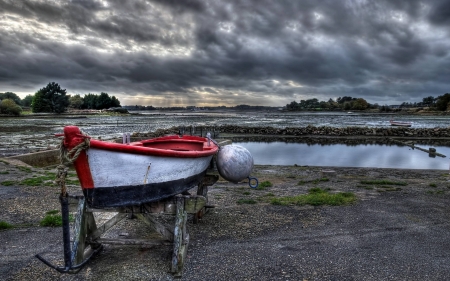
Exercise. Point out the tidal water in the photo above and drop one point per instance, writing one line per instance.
(20, 135)
(339, 155)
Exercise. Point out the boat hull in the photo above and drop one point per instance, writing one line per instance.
(400, 124)
(122, 179)
(117, 175)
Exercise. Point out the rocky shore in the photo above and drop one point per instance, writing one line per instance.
(396, 230)
(308, 131)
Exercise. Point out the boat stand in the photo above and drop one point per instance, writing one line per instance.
(88, 240)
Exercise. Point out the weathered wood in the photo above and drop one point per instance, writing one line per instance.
(193, 203)
(429, 151)
(87, 232)
(105, 227)
(181, 240)
(156, 225)
(79, 239)
(202, 190)
(137, 242)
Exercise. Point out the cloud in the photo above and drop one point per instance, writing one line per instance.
(199, 51)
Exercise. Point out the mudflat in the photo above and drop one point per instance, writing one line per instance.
(398, 229)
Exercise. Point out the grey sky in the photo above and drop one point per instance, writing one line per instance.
(206, 52)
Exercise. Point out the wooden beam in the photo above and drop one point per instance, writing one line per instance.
(137, 242)
(105, 227)
(193, 203)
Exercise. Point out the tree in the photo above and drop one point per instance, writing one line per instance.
(90, 101)
(443, 102)
(51, 98)
(8, 106)
(428, 101)
(40, 104)
(28, 100)
(344, 99)
(360, 104)
(12, 96)
(103, 101)
(76, 102)
(115, 102)
(292, 106)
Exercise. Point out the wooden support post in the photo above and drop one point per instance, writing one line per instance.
(202, 190)
(79, 239)
(181, 239)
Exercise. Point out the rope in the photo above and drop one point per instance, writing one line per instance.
(65, 156)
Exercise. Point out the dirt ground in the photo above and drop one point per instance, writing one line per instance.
(392, 232)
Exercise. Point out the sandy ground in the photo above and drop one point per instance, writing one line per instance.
(390, 233)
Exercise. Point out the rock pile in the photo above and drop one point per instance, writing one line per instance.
(308, 131)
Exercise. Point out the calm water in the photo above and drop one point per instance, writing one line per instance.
(377, 156)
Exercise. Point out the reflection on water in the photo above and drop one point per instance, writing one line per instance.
(377, 156)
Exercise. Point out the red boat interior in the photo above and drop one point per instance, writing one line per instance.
(177, 145)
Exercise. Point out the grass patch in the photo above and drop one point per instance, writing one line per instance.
(246, 193)
(8, 183)
(316, 181)
(246, 201)
(384, 182)
(47, 179)
(433, 184)
(53, 219)
(263, 185)
(4, 225)
(316, 197)
(24, 169)
(437, 192)
(72, 182)
(4, 172)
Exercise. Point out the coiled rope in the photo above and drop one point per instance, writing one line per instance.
(67, 158)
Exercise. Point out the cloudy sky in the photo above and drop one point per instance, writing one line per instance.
(214, 52)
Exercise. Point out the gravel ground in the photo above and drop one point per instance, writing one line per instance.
(390, 233)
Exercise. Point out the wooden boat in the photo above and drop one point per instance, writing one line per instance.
(116, 175)
(401, 124)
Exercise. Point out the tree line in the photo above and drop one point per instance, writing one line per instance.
(440, 103)
(52, 98)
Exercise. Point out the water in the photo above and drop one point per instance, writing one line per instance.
(377, 156)
(20, 135)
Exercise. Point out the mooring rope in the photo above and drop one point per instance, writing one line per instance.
(66, 159)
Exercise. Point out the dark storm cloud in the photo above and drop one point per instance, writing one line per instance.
(271, 51)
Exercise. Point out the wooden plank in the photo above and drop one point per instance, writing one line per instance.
(105, 227)
(137, 242)
(193, 203)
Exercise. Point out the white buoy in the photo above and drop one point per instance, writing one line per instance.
(234, 163)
